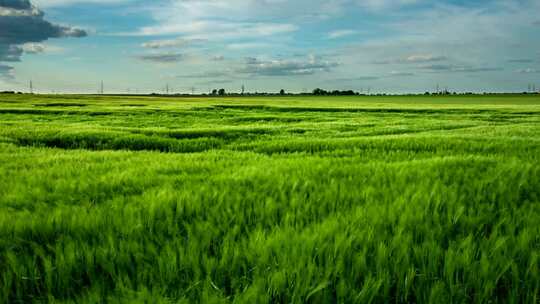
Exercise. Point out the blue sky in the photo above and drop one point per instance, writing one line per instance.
(392, 46)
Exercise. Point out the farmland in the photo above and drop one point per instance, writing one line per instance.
(363, 199)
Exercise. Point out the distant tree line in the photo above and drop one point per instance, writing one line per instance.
(11, 92)
(318, 91)
(315, 92)
(220, 92)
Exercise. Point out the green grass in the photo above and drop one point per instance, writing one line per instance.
(270, 200)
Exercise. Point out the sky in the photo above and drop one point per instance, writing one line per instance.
(376, 46)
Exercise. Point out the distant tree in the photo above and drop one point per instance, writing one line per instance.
(282, 92)
(221, 92)
(335, 92)
(319, 91)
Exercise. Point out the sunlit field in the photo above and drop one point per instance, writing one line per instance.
(363, 199)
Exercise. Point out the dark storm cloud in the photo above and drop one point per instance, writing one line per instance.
(10, 53)
(5, 71)
(20, 23)
(16, 4)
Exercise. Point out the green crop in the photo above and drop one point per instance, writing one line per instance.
(409, 199)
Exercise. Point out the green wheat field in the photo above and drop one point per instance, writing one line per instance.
(363, 199)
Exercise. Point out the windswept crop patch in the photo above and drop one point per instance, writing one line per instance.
(269, 200)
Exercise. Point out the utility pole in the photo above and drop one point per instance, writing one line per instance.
(167, 89)
(243, 89)
(101, 88)
(31, 87)
(192, 90)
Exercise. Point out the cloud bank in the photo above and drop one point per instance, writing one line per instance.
(22, 27)
(163, 58)
(312, 65)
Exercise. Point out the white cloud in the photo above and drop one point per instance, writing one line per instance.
(217, 58)
(58, 3)
(33, 48)
(235, 18)
(171, 43)
(341, 33)
(457, 68)
(479, 38)
(211, 29)
(384, 4)
(248, 45)
(400, 74)
(280, 67)
(13, 12)
(528, 71)
(413, 59)
(37, 48)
